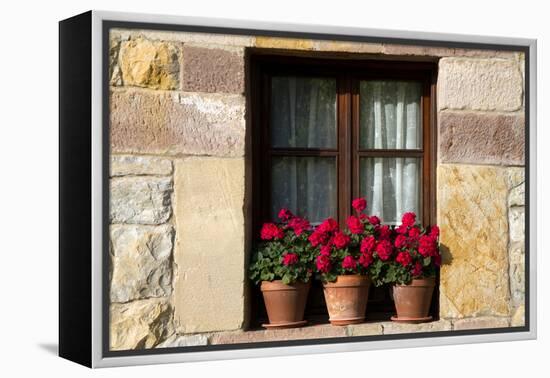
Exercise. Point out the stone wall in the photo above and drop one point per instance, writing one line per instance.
(177, 129)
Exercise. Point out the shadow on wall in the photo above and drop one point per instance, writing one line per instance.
(446, 256)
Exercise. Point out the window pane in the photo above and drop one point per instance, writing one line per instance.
(390, 115)
(305, 185)
(391, 186)
(303, 112)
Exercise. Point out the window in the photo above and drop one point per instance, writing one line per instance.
(325, 131)
(329, 131)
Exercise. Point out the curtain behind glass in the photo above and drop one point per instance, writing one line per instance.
(390, 118)
(303, 115)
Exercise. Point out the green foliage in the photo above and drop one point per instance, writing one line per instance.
(267, 260)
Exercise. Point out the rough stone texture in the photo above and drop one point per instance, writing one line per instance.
(210, 250)
(517, 196)
(303, 333)
(364, 329)
(177, 123)
(395, 49)
(472, 215)
(144, 200)
(517, 273)
(212, 70)
(140, 324)
(518, 319)
(141, 262)
(348, 46)
(481, 138)
(391, 328)
(479, 84)
(285, 43)
(115, 77)
(123, 165)
(149, 64)
(480, 323)
(517, 224)
(185, 37)
(183, 341)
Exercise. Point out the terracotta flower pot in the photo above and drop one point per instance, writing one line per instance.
(412, 301)
(285, 304)
(346, 299)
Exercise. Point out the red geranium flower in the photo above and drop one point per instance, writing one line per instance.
(417, 269)
(403, 258)
(325, 250)
(329, 225)
(341, 240)
(414, 232)
(323, 263)
(359, 204)
(384, 250)
(401, 229)
(299, 225)
(290, 259)
(409, 219)
(374, 220)
(271, 231)
(285, 214)
(368, 244)
(434, 232)
(365, 259)
(349, 262)
(384, 231)
(317, 238)
(400, 241)
(355, 225)
(426, 246)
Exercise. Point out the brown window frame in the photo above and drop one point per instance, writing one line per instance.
(348, 74)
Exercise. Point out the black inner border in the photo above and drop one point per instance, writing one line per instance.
(107, 25)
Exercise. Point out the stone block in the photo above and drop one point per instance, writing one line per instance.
(518, 319)
(184, 37)
(149, 64)
(210, 251)
(481, 323)
(124, 165)
(304, 333)
(115, 77)
(364, 329)
(391, 328)
(140, 200)
(517, 273)
(517, 196)
(392, 49)
(141, 262)
(482, 138)
(285, 43)
(183, 341)
(517, 224)
(472, 215)
(177, 123)
(349, 46)
(480, 84)
(212, 70)
(140, 324)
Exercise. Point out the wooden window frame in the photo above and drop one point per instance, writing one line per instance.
(348, 74)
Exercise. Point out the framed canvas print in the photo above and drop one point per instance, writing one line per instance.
(233, 189)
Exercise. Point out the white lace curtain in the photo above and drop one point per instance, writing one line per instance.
(390, 119)
(303, 114)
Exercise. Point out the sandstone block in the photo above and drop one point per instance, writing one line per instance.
(212, 70)
(183, 341)
(349, 46)
(123, 165)
(517, 273)
(209, 251)
(518, 319)
(472, 215)
(139, 324)
(479, 84)
(144, 200)
(149, 64)
(517, 196)
(141, 262)
(177, 123)
(115, 77)
(184, 37)
(482, 138)
(364, 329)
(517, 224)
(285, 43)
(481, 323)
(391, 328)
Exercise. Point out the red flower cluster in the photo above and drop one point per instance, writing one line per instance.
(271, 231)
(355, 225)
(299, 225)
(404, 258)
(349, 262)
(384, 250)
(290, 259)
(359, 204)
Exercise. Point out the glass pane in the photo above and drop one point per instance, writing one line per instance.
(303, 112)
(391, 186)
(304, 185)
(390, 115)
